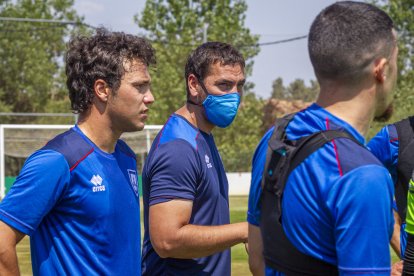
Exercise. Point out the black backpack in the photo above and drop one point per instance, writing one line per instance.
(282, 157)
(405, 131)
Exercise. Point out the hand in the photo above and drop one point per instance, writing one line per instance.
(397, 268)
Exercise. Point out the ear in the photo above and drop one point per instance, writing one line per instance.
(381, 70)
(194, 86)
(101, 90)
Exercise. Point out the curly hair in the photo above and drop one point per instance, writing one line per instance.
(101, 56)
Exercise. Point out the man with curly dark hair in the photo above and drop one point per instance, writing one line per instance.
(77, 197)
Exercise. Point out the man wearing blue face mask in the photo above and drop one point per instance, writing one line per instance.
(185, 189)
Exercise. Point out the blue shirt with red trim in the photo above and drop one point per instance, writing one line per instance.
(80, 207)
(384, 145)
(337, 204)
(184, 163)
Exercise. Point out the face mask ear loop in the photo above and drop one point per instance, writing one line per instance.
(202, 87)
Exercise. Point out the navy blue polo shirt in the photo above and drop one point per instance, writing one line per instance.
(385, 146)
(80, 207)
(337, 204)
(184, 163)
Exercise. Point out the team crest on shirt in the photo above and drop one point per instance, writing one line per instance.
(208, 161)
(97, 180)
(133, 179)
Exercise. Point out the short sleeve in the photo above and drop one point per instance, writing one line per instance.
(173, 172)
(258, 163)
(37, 189)
(361, 207)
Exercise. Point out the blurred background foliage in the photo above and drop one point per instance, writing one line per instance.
(32, 64)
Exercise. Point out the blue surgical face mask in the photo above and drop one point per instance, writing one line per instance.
(221, 109)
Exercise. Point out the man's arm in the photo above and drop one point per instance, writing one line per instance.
(173, 237)
(256, 261)
(395, 239)
(9, 238)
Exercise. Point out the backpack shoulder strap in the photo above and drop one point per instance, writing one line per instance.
(405, 131)
(314, 142)
(275, 144)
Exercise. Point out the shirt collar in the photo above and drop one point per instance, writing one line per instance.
(316, 118)
(333, 122)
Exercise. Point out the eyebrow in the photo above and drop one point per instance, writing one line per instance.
(141, 82)
(243, 81)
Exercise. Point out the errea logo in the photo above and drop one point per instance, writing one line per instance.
(208, 161)
(96, 180)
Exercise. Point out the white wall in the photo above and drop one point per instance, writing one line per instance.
(239, 183)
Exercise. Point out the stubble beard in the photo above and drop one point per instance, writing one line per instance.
(386, 115)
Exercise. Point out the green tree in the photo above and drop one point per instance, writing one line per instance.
(278, 89)
(31, 55)
(176, 27)
(296, 90)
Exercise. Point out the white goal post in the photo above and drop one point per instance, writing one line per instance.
(21, 140)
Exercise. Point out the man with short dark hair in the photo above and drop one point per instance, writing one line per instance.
(335, 212)
(393, 146)
(185, 189)
(77, 197)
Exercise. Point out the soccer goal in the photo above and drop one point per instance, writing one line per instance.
(17, 142)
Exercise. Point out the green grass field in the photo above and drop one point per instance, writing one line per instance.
(238, 207)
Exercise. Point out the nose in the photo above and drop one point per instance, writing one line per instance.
(148, 97)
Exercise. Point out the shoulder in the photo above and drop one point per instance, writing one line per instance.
(352, 155)
(177, 128)
(70, 145)
(368, 185)
(387, 134)
(173, 157)
(125, 149)
(369, 173)
(385, 146)
(43, 166)
(366, 182)
(45, 159)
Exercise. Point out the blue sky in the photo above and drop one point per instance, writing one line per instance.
(272, 19)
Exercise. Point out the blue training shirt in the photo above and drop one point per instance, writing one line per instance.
(184, 163)
(385, 147)
(80, 207)
(337, 204)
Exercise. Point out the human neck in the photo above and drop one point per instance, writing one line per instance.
(195, 115)
(98, 130)
(357, 107)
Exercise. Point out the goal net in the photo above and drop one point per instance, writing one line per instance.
(17, 142)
